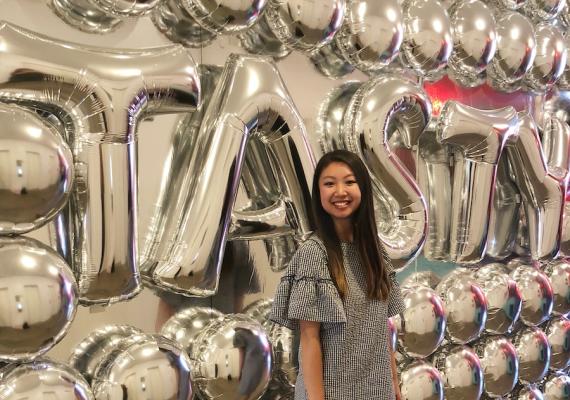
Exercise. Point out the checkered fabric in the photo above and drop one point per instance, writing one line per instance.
(354, 333)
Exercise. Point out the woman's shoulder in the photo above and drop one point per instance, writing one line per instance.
(310, 259)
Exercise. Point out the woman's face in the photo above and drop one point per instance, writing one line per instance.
(340, 194)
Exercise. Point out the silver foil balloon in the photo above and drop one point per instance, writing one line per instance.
(474, 41)
(533, 352)
(505, 218)
(421, 327)
(232, 359)
(100, 16)
(259, 39)
(38, 298)
(465, 307)
(185, 247)
(101, 95)
(363, 121)
(186, 324)
(37, 170)
(195, 23)
(516, 50)
(558, 272)
(558, 332)
(96, 347)
(550, 60)
(427, 42)
(144, 367)
(423, 278)
(43, 379)
(500, 365)
(526, 392)
(420, 380)
(543, 10)
(556, 386)
(536, 293)
(504, 300)
(477, 138)
(564, 82)
(542, 193)
(461, 371)
(433, 173)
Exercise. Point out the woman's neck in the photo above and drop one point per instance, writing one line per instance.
(344, 230)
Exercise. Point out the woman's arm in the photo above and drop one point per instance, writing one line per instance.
(312, 359)
(395, 381)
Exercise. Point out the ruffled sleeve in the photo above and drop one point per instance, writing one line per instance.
(306, 291)
(395, 300)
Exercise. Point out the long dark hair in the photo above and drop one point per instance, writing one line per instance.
(364, 229)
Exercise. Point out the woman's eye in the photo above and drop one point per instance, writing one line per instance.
(328, 184)
(351, 182)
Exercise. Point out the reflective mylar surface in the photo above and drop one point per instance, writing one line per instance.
(542, 193)
(100, 95)
(196, 22)
(378, 109)
(474, 41)
(419, 380)
(421, 327)
(516, 50)
(556, 386)
(186, 324)
(423, 278)
(249, 112)
(43, 379)
(543, 9)
(503, 299)
(477, 138)
(526, 392)
(100, 16)
(465, 307)
(536, 293)
(558, 272)
(461, 371)
(558, 332)
(232, 359)
(96, 347)
(36, 173)
(500, 365)
(144, 367)
(372, 34)
(427, 37)
(38, 298)
(550, 59)
(533, 352)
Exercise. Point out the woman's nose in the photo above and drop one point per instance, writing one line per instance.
(340, 188)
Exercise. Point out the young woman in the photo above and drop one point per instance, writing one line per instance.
(339, 291)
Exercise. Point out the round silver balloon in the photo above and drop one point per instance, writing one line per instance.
(510, 4)
(305, 25)
(100, 16)
(144, 367)
(232, 357)
(427, 37)
(461, 371)
(504, 300)
(37, 170)
(526, 392)
(186, 324)
(420, 380)
(516, 50)
(474, 41)
(558, 333)
(421, 327)
(372, 34)
(550, 60)
(259, 39)
(285, 345)
(465, 306)
(559, 274)
(533, 351)
(422, 278)
(43, 379)
(259, 310)
(393, 333)
(536, 292)
(500, 365)
(39, 298)
(564, 81)
(543, 10)
(556, 386)
(92, 350)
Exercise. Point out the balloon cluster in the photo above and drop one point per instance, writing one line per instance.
(492, 331)
(510, 44)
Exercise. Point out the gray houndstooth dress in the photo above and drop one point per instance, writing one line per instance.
(354, 333)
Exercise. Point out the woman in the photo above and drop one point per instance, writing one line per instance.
(339, 291)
